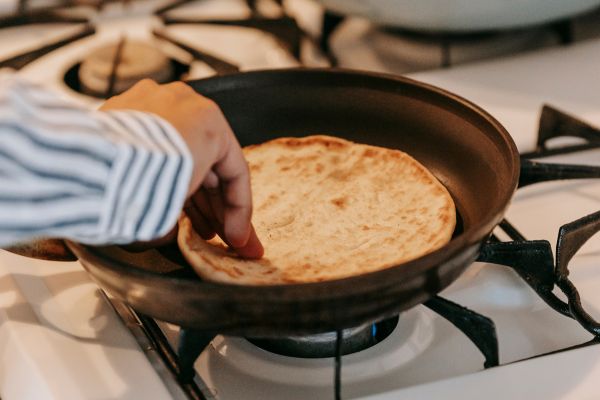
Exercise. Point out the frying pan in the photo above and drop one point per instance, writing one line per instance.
(461, 15)
(467, 149)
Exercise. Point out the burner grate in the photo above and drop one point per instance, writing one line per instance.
(558, 124)
(21, 60)
(563, 30)
(43, 16)
(220, 66)
(284, 28)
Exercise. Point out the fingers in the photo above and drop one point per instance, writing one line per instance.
(200, 223)
(212, 191)
(207, 226)
(234, 178)
(253, 248)
(209, 206)
(204, 207)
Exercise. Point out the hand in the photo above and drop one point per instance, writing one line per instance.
(220, 201)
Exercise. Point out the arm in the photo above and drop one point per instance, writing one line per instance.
(120, 174)
(85, 175)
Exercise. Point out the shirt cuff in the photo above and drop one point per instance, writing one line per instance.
(149, 180)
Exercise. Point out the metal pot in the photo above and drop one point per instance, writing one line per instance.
(461, 15)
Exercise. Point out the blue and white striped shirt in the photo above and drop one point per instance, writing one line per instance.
(90, 176)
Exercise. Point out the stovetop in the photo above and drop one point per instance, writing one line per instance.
(58, 329)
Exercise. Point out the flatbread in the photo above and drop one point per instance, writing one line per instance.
(326, 208)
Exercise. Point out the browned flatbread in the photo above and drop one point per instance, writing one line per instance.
(326, 208)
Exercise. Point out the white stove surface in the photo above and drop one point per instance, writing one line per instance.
(60, 339)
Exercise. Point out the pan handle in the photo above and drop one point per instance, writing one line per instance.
(536, 172)
(44, 249)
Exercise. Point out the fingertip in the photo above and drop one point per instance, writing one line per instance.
(235, 235)
(253, 248)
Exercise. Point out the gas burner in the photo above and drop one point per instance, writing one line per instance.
(324, 345)
(114, 68)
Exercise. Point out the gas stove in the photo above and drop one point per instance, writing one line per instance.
(62, 337)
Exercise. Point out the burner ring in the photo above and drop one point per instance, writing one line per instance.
(323, 345)
(135, 60)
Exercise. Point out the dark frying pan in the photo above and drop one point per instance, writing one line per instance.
(467, 149)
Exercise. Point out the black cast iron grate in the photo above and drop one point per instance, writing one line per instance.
(284, 27)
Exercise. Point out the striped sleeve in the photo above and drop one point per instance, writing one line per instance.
(90, 176)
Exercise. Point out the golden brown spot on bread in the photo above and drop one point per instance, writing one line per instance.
(255, 167)
(319, 168)
(289, 142)
(361, 167)
(326, 141)
(270, 200)
(219, 268)
(340, 202)
(444, 218)
(310, 158)
(340, 174)
(331, 144)
(421, 173)
(395, 155)
(365, 228)
(370, 152)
